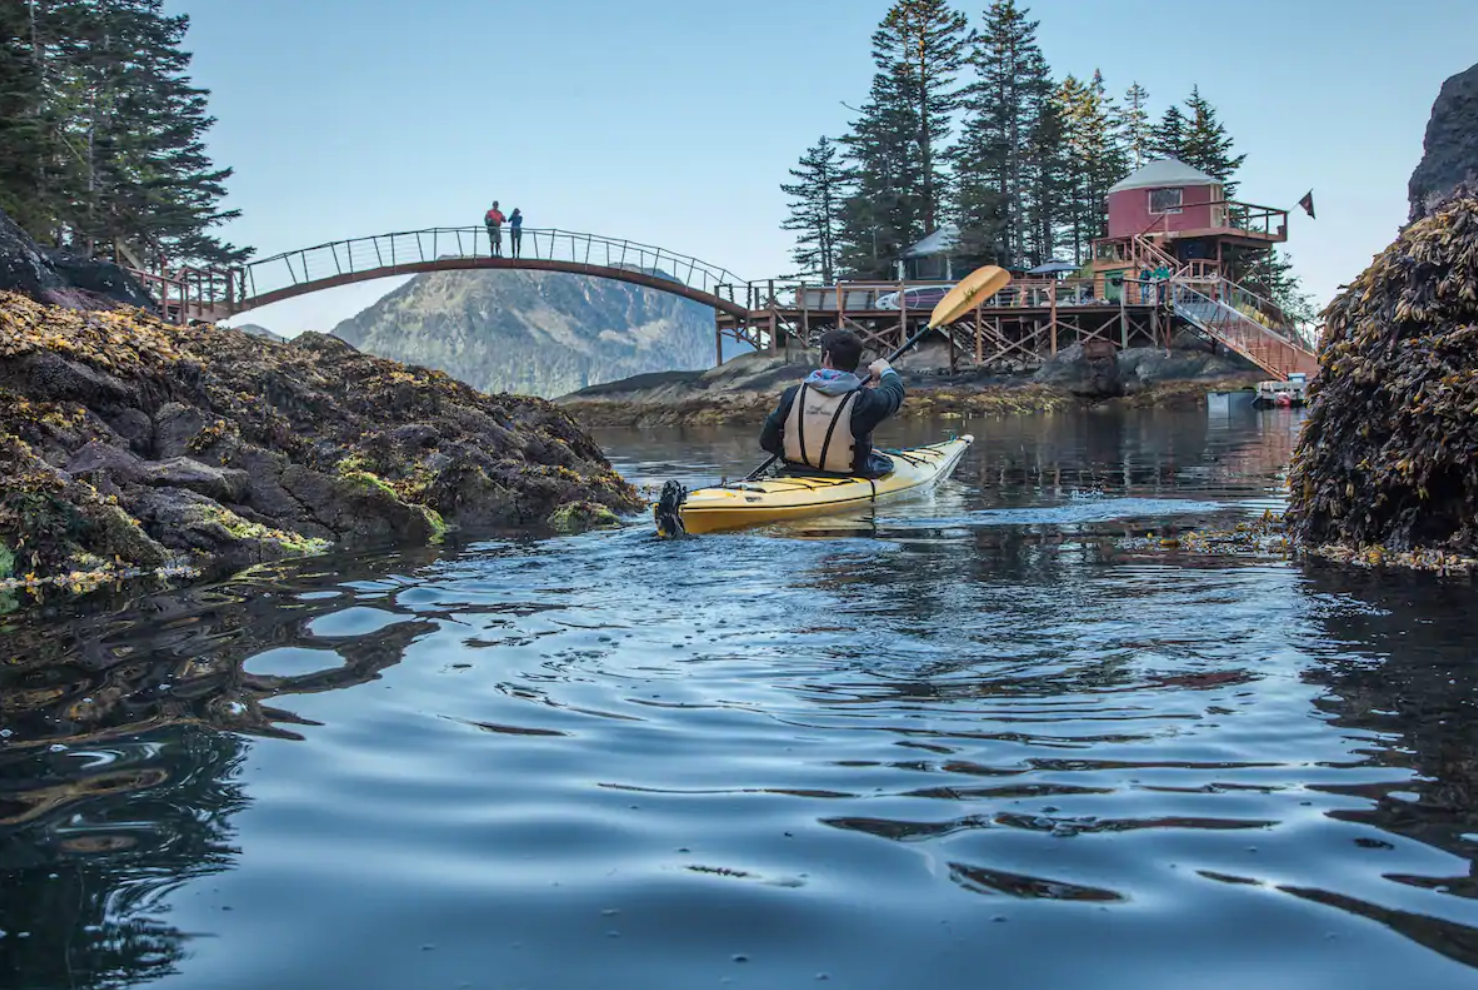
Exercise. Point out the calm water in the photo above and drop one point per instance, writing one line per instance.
(974, 740)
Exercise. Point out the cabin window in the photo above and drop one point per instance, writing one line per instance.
(1165, 200)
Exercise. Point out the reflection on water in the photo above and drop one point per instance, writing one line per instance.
(876, 749)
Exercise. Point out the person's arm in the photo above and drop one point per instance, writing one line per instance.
(772, 439)
(889, 390)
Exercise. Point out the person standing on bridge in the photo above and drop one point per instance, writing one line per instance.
(494, 219)
(825, 423)
(515, 232)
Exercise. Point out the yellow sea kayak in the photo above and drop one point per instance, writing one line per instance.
(750, 503)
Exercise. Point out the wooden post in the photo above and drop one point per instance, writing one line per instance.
(979, 345)
(902, 312)
(718, 340)
(805, 314)
(1052, 288)
(1123, 320)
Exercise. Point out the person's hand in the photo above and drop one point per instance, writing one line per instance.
(877, 368)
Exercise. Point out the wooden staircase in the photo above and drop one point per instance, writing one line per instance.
(1217, 307)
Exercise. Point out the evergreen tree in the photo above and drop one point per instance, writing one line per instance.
(114, 152)
(817, 195)
(921, 44)
(1271, 274)
(1134, 126)
(1207, 146)
(1167, 139)
(1049, 198)
(1095, 158)
(1003, 162)
(884, 213)
(23, 131)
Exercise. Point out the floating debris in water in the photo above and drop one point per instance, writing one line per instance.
(1268, 537)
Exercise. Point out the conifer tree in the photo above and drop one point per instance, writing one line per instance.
(1167, 139)
(922, 44)
(1095, 157)
(23, 131)
(115, 150)
(1134, 126)
(1003, 160)
(884, 213)
(817, 195)
(1207, 146)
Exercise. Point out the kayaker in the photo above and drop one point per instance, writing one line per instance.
(829, 429)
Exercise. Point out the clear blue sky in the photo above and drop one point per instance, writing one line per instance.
(673, 122)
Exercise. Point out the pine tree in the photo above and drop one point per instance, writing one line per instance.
(1167, 139)
(1003, 160)
(921, 43)
(1271, 274)
(114, 153)
(1048, 203)
(1095, 157)
(1207, 146)
(884, 213)
(1134, 126)
(23, 132)
(816, 211)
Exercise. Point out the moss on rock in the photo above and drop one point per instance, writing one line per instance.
(577, 516)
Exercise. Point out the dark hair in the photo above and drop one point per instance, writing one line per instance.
(845, 348)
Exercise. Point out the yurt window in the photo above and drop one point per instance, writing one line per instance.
(1165, 200)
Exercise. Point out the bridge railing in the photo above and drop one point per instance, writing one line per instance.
(389, 252)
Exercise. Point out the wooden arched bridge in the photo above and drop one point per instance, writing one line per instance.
(215, 294)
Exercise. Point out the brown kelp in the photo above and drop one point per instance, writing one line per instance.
(1388, 458)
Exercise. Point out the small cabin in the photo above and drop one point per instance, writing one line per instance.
(1163, 197)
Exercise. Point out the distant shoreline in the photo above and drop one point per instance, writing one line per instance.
(744, 390)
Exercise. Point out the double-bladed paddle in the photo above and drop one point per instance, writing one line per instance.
(972, 291)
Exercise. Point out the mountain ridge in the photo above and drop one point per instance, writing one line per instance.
(534, 332)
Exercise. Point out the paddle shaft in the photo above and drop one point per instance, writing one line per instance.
(890, 359)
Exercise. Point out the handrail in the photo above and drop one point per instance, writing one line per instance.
(215, 293)
(1274, 351)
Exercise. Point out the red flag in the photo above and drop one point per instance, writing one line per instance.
(1308, 204)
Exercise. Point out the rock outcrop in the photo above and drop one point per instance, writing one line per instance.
(62, 278)
(129, 442)
(1451, 144)
(1388, 458)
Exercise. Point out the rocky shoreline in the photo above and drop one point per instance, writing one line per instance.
(744, 389)
(129, 445)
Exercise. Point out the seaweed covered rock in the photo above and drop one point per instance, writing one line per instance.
(128, 442)
(1388, 457)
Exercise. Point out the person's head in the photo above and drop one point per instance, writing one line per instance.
(495, 204)
(841, 350)
(517, 211)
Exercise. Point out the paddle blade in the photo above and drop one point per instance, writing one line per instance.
(668, 511)
(973, 290)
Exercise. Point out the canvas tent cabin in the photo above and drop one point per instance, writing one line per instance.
(931, 259)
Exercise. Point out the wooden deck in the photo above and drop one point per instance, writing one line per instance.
(1027, 323)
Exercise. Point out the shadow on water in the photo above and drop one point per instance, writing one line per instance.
(827, 739)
